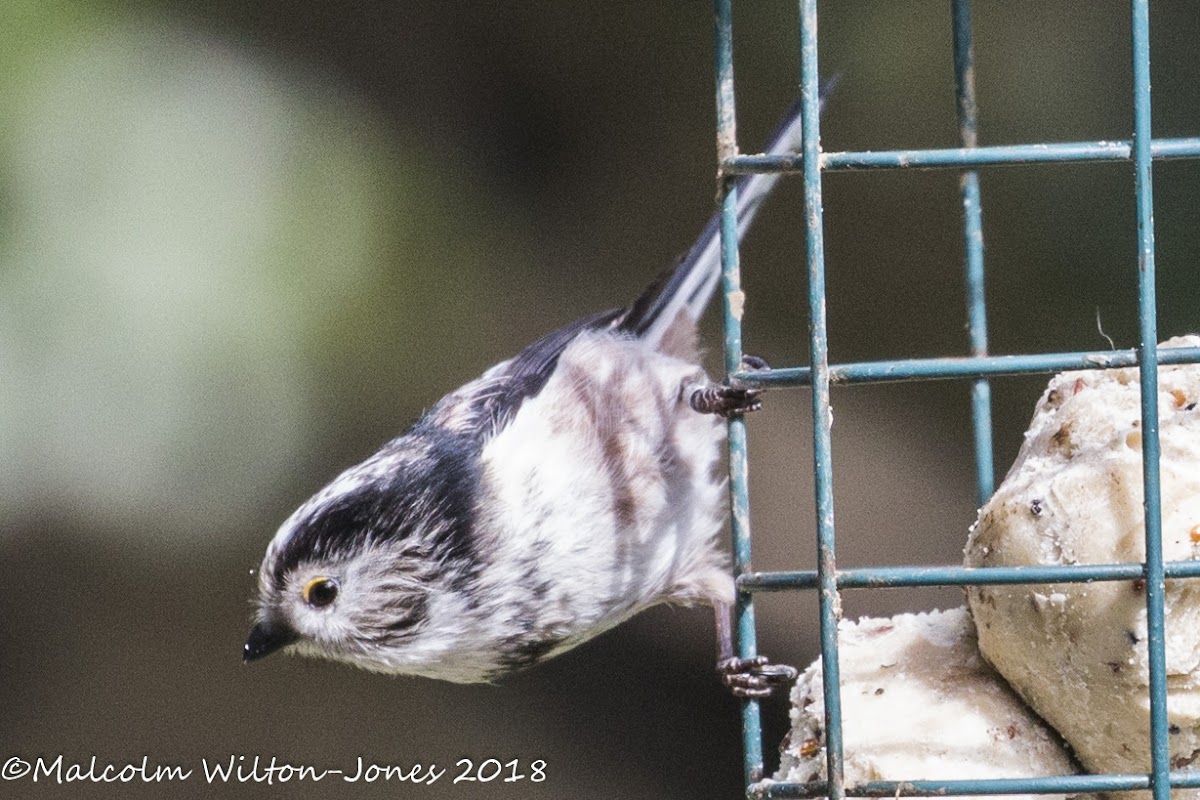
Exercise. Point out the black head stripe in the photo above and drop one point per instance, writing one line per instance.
(430, 497)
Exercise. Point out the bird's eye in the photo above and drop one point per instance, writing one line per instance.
(320, 592)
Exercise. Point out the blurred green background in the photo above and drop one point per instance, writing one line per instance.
(243, 243)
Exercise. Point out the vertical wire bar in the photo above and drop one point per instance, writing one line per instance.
(829, 599)
(981, 390)
(1148, 358)
(739, 493)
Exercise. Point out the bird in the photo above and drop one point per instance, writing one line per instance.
(550, 499)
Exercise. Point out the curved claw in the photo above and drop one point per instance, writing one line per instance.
(753, 363)
(754, 677)
(726, 401)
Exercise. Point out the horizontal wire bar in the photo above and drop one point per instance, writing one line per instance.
(916, 369)
(1064, 784)
(965, 157)
(895, 577)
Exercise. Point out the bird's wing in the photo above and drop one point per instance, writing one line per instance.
(487, 403)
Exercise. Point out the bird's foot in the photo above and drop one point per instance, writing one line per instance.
(727, 401)
(754, 677)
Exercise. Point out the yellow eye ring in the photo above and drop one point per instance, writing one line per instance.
(320, 592)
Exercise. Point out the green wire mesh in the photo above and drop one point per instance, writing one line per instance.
(978, 367)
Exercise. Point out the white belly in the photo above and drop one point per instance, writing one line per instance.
(603, 496)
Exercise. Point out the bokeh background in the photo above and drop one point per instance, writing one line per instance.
(243, 243)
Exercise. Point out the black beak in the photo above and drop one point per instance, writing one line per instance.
(266, 637)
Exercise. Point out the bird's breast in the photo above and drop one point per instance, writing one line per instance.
(600, 498)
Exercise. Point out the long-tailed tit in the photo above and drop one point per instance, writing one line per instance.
(557, 495)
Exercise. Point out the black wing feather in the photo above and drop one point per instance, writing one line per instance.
(486, 405)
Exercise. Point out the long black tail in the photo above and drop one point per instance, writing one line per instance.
(690, 286)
